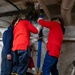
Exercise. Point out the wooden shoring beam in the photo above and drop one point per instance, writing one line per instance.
(44, 7)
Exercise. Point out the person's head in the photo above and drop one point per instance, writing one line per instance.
(60, 21)
(30, 16)
(14, 21)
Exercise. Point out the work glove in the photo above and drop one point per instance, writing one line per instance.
(40, 17)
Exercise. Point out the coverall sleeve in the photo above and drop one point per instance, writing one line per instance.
(8, 42)
(32, 28)
(47, 24)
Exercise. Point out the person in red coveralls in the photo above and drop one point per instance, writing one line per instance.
(55, 39)
(21, 45)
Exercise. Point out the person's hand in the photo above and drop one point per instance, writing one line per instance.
(39, 19)
(39, 27)
(9, 56)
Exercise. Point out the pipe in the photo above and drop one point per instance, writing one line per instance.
(66, 8)
(12, 4)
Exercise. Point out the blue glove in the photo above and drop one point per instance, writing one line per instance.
(41, 13)
(41, 16)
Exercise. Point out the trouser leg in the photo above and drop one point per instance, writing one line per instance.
(6, 65)
(24, 57)
(54, 70)
(49, 63)
(15, 62)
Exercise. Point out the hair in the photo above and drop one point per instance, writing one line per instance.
(14, 21)
(61, 21)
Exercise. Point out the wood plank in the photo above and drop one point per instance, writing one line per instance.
(14, 1)
(44, 7)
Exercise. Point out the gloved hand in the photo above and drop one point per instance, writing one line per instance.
(39, 27)
(41, 13)
(40, 17)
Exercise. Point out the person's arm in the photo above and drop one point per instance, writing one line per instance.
(8, 44)
(48, 24)
(32, 28)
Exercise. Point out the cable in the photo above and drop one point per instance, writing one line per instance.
(12, 4)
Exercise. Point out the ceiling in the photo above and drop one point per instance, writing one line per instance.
(11, 7)
(6, 6)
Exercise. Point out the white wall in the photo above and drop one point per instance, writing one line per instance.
(1, 45)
